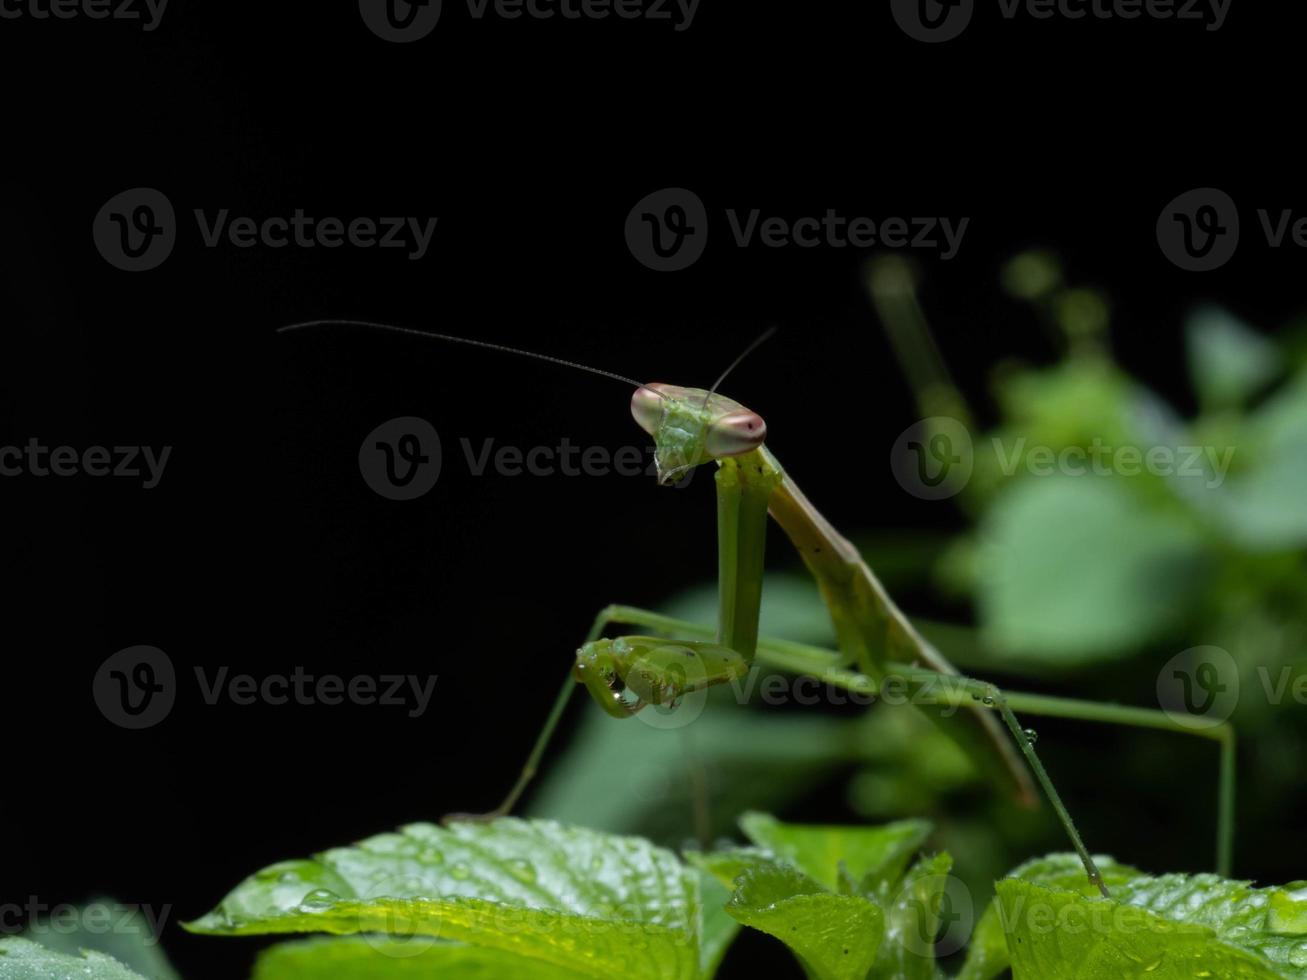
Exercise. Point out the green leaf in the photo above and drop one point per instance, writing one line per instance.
(1228, 361)
(718, 929)
(131, 940)
(834, 936)
(593, 903)
(1137, 570)
(870, 855)
(798, 876)
(1260, 504)
(914, 913)
(725, 866)
(987, 956)
(382, 958)
(23, 960)
(1173, 927)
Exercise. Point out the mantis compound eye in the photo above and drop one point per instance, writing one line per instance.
(647, 408)
(735, 434)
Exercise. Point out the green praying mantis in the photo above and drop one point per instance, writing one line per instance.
(877, 644)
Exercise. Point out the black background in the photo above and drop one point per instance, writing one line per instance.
(262, 548)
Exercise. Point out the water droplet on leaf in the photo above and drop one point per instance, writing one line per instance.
(319, 900)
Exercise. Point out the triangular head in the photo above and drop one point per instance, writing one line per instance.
(691, 426)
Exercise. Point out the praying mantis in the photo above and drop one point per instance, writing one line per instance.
(876, 643)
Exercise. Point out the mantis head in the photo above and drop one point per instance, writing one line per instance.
(691, 426)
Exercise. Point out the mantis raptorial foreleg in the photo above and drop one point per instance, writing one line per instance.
(921, 687)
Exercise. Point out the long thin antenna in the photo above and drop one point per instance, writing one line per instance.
(762, 339)
(486, 345)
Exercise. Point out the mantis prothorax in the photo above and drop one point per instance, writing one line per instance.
(626, 674)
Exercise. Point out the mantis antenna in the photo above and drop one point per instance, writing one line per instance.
(485, 344)
(765, 336)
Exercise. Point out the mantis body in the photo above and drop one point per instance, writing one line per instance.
(626, 674)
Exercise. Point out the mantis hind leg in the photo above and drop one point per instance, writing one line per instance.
(951, 689)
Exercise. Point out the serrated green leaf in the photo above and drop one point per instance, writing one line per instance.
(871, 855)
(593, 903)
(24, 960)
(919, 905)
(987, 956)
(382, 958)
(835, 936)
(1269, 922)
(1173, 927)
